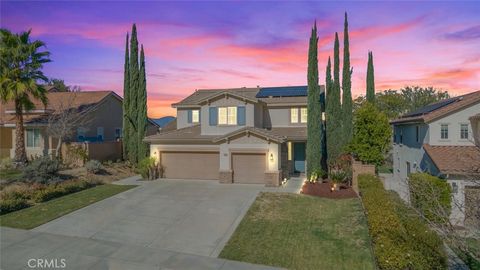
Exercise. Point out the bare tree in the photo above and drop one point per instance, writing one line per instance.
(66, 117)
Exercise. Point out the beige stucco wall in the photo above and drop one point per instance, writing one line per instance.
(108, 115)
(221, 102)
(45, 147)
(280, 117)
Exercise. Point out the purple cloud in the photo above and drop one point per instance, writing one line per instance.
(465, 34)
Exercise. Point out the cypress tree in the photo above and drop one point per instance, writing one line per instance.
(370, 79)
(126, 103)
(314, 121)
(347, 113)
(334, 109)
(142, 109)
(134, 89)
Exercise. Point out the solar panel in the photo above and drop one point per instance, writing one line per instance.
(287, 91)
(431, 107)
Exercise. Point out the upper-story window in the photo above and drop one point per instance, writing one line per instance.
(444, 131)
(303, 115)
(464, 131)
(298, 115)
(227, 115)
(33, 137)
(195, 116)
(294, 115)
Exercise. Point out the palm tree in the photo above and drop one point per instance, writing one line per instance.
(21, 65)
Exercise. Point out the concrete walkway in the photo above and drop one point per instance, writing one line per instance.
(22, 249)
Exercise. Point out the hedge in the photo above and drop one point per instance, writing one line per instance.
(431, 196)
(55, 191)
(10, 205)
(401, 240)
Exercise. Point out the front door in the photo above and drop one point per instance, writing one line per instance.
(299, 157)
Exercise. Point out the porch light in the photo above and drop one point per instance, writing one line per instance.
(324, 116)
(271, 157)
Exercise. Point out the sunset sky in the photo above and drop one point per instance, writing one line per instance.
(197, 45)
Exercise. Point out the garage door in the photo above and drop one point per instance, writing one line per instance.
(249, 168)
(190, 165)
(472, 211)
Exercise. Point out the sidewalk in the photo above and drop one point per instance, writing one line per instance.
(22, 249)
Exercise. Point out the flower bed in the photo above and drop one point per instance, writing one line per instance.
(323, 189)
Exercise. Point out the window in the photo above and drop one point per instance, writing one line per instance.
(232, 115)
(464, 131)
(195, 116)
(294, 115)
(118, 133)
(454, 188)
(100, 133)
(303, 115)
(227, 115)
(33, 137)
(417, 133)
(444, 131)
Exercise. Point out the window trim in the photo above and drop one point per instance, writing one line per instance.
(229, 120)
(442, 132)
(34, 130)
(303, 109)
(461, 131)
(196, 114)
(294, 115)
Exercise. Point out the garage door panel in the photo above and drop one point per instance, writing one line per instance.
(249, 168)
(191, 165)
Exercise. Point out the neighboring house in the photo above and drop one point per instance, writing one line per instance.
(166, 123)
(440, 139)
(242, 135)
(101, 109)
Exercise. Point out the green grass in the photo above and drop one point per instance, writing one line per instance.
(44, 212)
(302, 232)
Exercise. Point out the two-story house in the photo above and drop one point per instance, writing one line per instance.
(242, 135)
(439, 139)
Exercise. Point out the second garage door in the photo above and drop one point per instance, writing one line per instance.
(249, 168)
(190, 165)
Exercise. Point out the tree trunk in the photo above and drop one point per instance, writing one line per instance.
(59, 149)
(20, 153)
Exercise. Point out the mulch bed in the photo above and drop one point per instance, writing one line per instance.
(322, 189)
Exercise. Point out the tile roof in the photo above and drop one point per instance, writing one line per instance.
(455, 160)
(291, 133)
(440, 109)
(82, 100)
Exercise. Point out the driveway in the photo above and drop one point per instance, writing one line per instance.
(188, 216)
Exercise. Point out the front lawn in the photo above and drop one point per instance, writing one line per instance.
(302, 232)
(44, 212)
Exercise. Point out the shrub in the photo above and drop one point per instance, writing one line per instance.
(149, 169)
(317, 174)
(338, 176)
(94, 166)
(10, 205)
(14, 192)
(42, 170)
(371, 137)
(58, 190)
(431, 196)
(401, 240)
(6, 164)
